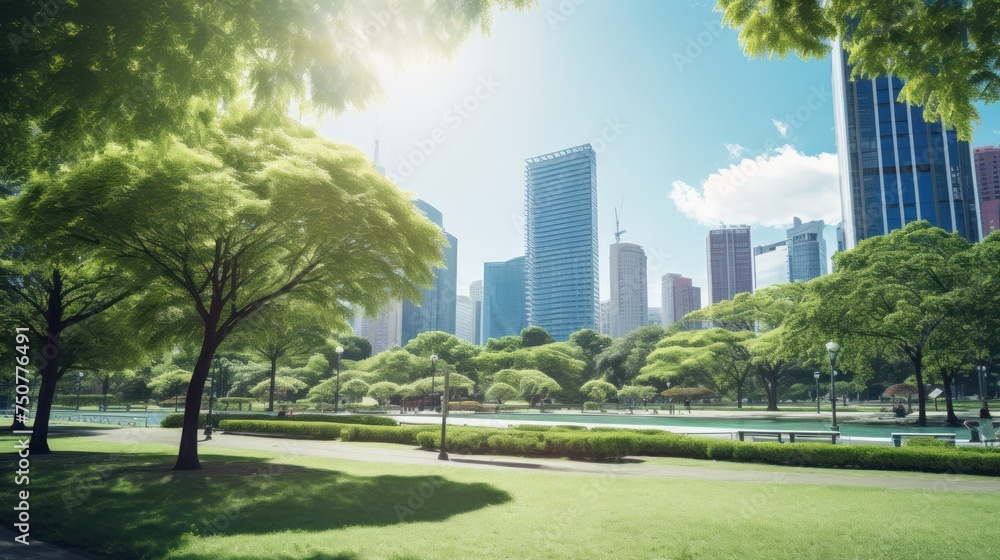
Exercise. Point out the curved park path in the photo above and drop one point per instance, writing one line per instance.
(636, 467)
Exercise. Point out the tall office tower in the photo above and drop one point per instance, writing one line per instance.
(730, 263)
(841, 238)
(895, 168)
(806, 250)
(770, 265)
(629, 300)
(988, 177)
(465, 327)
(678, 297)
(653, 316)
(476, 294)
(385, 330)
(436, 311)
(604, 324)
(503, 299)
(561, 241)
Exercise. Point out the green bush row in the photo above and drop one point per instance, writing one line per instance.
(176, 420)
(316, 430)
(406, 435)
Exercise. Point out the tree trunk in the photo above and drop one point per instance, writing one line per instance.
(739, 392)
(274, 373)
(187, 456)
(40, 431)
(947, 380)
(770, 383)
(50, 369)
(921, 393)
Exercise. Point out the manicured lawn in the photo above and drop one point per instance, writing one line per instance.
(124, 501)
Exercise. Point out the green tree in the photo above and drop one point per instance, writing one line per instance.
(354, 389)
(260, 211)
(503, 344)
(287, 388)
(170, 384)
(501, 393)
(396, 365)
(356, 348)
(591, 343)
(631, 395)
(946, 52)
(382, 392)
(532, 384)
(447, 347)
(535, 336)
(599, 391)
(128, 70)
(716, 358)
(563, 369)
(626, 356)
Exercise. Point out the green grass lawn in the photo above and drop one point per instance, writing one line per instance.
(125, 502)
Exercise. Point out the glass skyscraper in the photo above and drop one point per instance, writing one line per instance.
(436, 311)
(503, 299)
(730, 262)
(895, 168)
(561, 241)
(770, 265)
(799, 258)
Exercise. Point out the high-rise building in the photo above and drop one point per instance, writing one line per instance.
(653, 316)
(678, 297)
(436, 311)
(464, 317)
(385, 330)
(629, 299)
(503, 299)
(770, 265)
(988, 177)
(476, 294)
(895, 168)
(604, 324)
(561, 241)
(730, 262)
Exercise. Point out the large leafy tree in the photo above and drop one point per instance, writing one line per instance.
(947, 51)
(447, 347)
(93, 72)
(621, 362)
(242, 210)
(715, 358)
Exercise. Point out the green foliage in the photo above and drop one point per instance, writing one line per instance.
(313, 430)
(395, 365)
(170, 384)
(554, 360)
(533, 385)
(356, 348)
(285, 388)
(176, 420)
(623, 360)
(535, 336)
(237, 402)
(946, 52)
(598, 391)
(458, 385)
(85, 400)
(395, 434)
(383, 391)
(501, 392)
(631, 395)
(354, 389)
(446, 347)
(503, 344)
(926, 442)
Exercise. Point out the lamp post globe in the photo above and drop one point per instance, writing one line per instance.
(336, 396)
(816, 377)
(832, 348)
(79, 383)
(434, 359)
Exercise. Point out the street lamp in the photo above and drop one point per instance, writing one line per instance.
(434, 360)
(79, 382)
(832, 348)
(816, 376)
(336, 396)
(982, 381)
(211, 393)
(443, 455)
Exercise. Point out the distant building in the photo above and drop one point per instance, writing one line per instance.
(730, 262)
(464, 317)
(678, 297)
(653, 316)
(561, 241)
(436, 311)
(629, 299)
(841, 238)
(604, 325)
(770, 265)
(504, 311)
(799, 258)
(896, 168)
(988, 176)
(476, 294)
(384, 330)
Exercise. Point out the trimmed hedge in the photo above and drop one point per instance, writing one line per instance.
(315, 430)
(406, 435)
(176, 420)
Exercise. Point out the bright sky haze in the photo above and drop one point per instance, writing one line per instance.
(689, 132)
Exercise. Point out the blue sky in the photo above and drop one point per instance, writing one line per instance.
(689, 131)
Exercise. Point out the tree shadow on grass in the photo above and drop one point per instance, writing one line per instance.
(132, 505)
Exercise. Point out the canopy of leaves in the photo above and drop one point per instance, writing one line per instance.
(623, 360)
(598, 391)
(396, 365)
(501, 392)
(170, 384)
(382, 391)
(284, 387)
(447, 347)
(535, 336)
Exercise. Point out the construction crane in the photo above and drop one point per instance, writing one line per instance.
(618, 230)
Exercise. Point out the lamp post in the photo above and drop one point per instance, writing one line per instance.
(816, 376)
(211, 394)
(982, 381)
(336, 396)
(434, 360)
(832, 348)
(79, 382)
(443, 455)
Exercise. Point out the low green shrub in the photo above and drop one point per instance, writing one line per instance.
(315, 430)
(591, 405)
(406, 435)
(176, 420)
(926, 442)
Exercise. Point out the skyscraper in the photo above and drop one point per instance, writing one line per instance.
(770, 265)
(895, 168)
(385, 330)
(604, 321)
(678, 297)
(799, 258)
(629, 305)
(436, 311)
(561, 241)
(988, 177)
(464, 317)
(730, 263)
(503, 299)
(476, 294)
(653, 316)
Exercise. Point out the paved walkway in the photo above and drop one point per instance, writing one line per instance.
(403, 455)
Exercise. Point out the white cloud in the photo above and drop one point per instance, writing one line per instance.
(765, 191)
(735, 150)
(782, 127)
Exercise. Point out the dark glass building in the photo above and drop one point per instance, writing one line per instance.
(561, 241)
(895, 168)
(504, 311)
(730, 262)
(436, 311)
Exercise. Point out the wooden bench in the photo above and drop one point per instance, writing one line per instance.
(897, 438)
(792, 434)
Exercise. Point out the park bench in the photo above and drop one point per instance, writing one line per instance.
(897, 437)
(792, 435)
